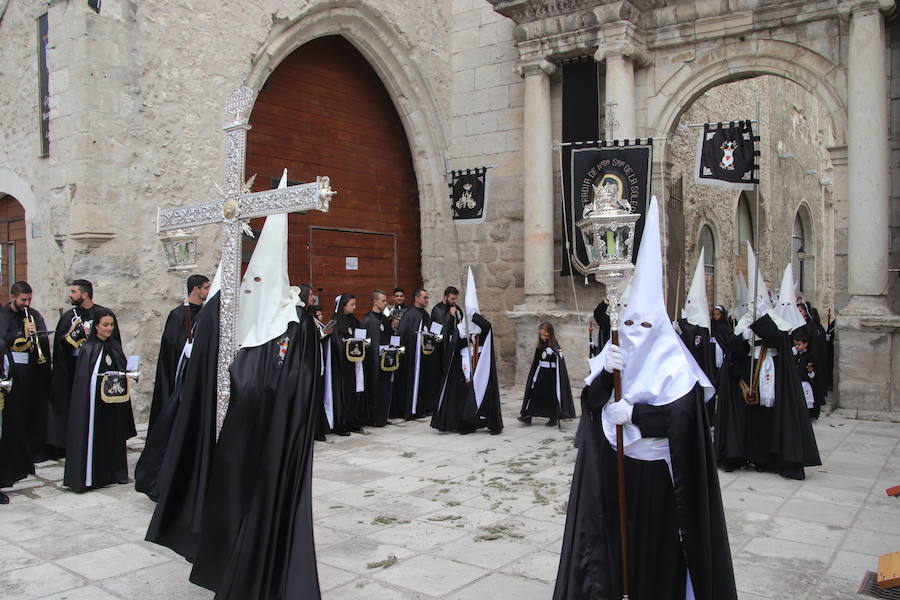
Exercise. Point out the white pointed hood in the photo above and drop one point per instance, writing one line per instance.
(471, 305)
(696, 306)
(740, 308)
(758, 291)
(658, 367)
(216, 286)
(267, 304)
(786, 308)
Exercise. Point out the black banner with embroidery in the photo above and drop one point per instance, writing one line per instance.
(727, 155)
(622, 164)
(468, 194)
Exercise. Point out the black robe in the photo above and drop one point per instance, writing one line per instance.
(257, 535)
(488, 414)
(670, 526)
(97, 430)
(807, 372)
(64, 358)
(541, 398)
(415, 391)
(32, 378)
(187, 463)
(15, 449)
(454, 387)
(734, 418)
(164, 409)
(379, 384)
(604, 331)
(171, 344)
(348, 405)
(792, 443)
(696, 339)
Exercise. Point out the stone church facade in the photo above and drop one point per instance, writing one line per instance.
(135, 109)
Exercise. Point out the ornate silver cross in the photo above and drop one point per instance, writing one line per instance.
(235, 206)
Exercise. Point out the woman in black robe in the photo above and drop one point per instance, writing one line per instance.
(256, 539)
(547, 389)
(348, 404)
(98, 430)
(15, 450)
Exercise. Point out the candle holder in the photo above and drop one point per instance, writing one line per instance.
(181, 250)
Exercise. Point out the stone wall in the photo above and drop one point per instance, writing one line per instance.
(791, 127)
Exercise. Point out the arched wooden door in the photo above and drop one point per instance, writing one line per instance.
(324, 111)
(13, 251)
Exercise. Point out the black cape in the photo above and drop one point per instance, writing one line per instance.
(415, 391)
(32, 379)
(732, 412)
(541, 398)
(15, 450)
(590, 566)
(111, 426)
(471, 415)
(164, 408)
(791, 441)
(348, 405)
(696, 339)
(378, 383)
(184, 472)
(64, 357)
(257, 535)
(174, 336)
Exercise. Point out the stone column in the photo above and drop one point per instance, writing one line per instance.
(867, 150)
(538, 184)
(620, 96)
(619, 45)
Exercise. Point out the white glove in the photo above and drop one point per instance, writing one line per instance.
(676, 327)
(614, 359)
(619, 412)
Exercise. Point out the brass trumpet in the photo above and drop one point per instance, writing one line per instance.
(33, 338)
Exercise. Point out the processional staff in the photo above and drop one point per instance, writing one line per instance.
(608, 231)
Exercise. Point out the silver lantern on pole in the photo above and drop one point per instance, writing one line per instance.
(607, 228)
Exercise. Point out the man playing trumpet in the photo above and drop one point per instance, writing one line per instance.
(25, 333)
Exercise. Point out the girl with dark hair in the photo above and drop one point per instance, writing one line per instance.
(344, 375)
(547, 390)
(100, 415)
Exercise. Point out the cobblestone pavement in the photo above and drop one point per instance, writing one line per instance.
(407, 512)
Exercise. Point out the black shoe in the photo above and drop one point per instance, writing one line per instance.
(552, 423)
(320, 438)
(342, 433)
(496, 431)
(4, 499)
(525, 420)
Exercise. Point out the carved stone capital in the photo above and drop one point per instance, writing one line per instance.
(540, 66)
(621, 39)
(850, 8)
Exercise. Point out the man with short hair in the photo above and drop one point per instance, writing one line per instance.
(378, 383)
(399, 297)
(448, 315)
(24, 332)
(177, 338)
(72, 331)
(415, 393)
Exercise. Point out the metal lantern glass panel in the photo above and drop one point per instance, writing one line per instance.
(607, 228)
(181, 250)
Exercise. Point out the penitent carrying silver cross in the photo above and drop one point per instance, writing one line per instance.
(232, 210)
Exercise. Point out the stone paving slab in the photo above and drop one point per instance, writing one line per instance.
(405, 512)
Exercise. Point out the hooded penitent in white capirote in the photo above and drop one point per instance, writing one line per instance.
(696, 306)
(740, 307)
(786, 309)
(658, 367)
(267, 305)
(757, 294)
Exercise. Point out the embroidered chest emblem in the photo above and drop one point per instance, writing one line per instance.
(108, 361)
(283, 344)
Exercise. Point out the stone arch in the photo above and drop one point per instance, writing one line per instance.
(13, 185)
(743, 59)
(376, 40)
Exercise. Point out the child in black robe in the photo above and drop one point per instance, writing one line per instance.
(547, 390)
(806, 372)
(98, 427)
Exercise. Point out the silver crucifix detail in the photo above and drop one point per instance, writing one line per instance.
(234, 207)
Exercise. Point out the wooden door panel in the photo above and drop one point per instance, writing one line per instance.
(324, 111)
